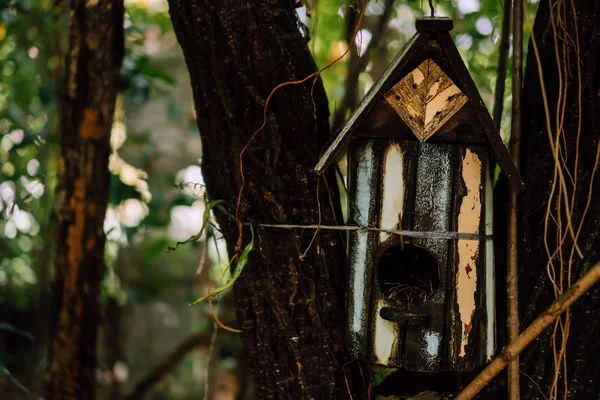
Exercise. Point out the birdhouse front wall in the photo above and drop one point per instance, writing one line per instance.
(421, 303)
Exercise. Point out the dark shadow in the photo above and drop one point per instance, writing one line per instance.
(408, 275)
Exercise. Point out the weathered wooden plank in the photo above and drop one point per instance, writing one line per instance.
(469, 219)
(363, 178)
(433, 196)
(470, 301)
(383, 122)
(434, 24)
(426, 99)
(385, 335)
(393, 190)
(490, 271)
(478, 338)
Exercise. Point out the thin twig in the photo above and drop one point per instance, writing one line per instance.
(512, 279)
(515, 347)
(358, 63)
(502, 64)
(303, 256)
(215, 315)
(211, 350)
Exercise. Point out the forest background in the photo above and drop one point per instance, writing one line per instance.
(157, 194)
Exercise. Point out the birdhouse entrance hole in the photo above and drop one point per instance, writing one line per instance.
(408, 275)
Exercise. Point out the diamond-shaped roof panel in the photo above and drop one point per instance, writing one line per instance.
(425, 99)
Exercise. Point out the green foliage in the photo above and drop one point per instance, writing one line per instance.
(237, 270)
(205, 220)
(477, 28)
(327, 31)
(4, 371)
(6, 327)
(30, 60)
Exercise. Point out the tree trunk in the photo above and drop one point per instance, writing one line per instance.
(289, 300)
(291, 307)
(578, 72)
(92, 74)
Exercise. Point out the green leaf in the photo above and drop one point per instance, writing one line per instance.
(205, 219)
(153, 72)
(10, 328)
(14, 381)
(237, 271)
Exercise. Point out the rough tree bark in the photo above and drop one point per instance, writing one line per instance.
(92, 74)
(291, 306)
(535, 288)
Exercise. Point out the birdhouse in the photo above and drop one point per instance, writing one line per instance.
(421, 151)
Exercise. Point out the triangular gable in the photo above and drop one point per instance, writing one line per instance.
(370, 99)
(409, 59)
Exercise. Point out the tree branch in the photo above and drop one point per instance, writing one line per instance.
(514, 348)
(357, 64)
(512, 279)
(502, 64)
(168, 364)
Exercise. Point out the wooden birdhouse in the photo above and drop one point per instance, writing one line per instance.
(421, 153)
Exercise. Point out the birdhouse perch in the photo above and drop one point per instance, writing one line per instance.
(421, 151)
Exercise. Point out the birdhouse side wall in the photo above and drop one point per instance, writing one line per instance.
(429, 187)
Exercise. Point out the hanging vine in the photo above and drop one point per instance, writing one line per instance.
(562, 249)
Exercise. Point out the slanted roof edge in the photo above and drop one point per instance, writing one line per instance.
(329, 155)
(501, 153)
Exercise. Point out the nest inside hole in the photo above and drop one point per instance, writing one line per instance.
(415, 289)
(408, 275)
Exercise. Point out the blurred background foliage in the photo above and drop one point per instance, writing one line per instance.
(157, 193)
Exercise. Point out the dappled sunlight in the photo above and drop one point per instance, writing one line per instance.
(186, 221)
(162, 246)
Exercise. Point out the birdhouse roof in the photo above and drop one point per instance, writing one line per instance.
(430, 51)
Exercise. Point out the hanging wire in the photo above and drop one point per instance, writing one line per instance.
(431, 7)
(449, 235)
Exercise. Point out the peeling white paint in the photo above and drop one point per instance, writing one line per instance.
(490, 287)
(433, 343)
(364, 187)
(358, 249)
(386, 334)
(437, 103)
(358, 272)
(468, 250)
(417, 76)
(393, 190)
